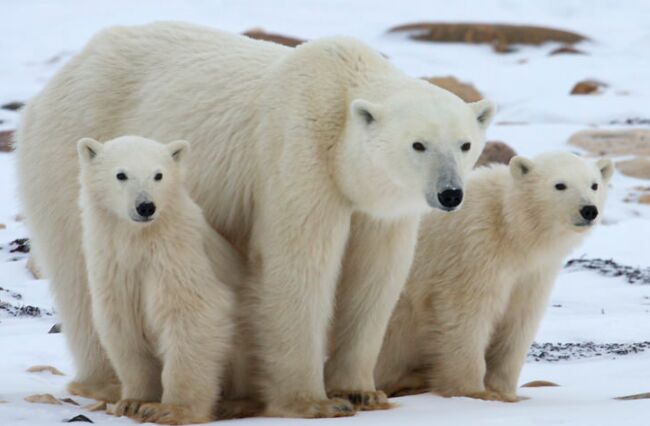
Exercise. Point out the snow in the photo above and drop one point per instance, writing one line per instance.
(531, 89)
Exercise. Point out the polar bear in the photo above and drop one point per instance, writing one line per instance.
(160, 279)
(481, 277)
(315, 162)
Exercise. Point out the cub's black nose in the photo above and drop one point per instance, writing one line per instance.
(451, 198)
(589, 212)
(146, 209)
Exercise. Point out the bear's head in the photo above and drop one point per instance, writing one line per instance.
(131, 177)
(414, 149)
(561, 190)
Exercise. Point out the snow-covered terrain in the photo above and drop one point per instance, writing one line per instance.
(531, 89)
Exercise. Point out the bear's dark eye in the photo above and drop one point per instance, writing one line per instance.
(158, 176)
(419, 146)
(466, 147)
(560, 187)
(121, 176)
(594, 187)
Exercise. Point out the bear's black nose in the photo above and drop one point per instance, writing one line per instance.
(450, 198)
(146, 209)
(589, 212)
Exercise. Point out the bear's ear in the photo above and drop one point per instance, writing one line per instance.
(88, 149)
(606, 168)
(520, 166)
(366, 111)
(178, 150)
(485, 111)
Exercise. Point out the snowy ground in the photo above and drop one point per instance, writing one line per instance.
(530, 87)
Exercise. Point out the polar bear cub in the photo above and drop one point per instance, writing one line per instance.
(160, 304)
(481, 277)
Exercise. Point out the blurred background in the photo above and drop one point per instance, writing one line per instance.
(570, 75)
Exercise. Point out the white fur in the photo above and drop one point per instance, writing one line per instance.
(286, 164)
(481, 277)
(160, 303)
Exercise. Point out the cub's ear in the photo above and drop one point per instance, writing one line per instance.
(606, 168)
(88, 149)
(178, 150)
(366, 111)
(520, 167)
(484, 111)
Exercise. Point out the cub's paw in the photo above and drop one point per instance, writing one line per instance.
(364, 400)
(127, 407)
(312, 409)
(168, 414)
(489, 395)
(108, 392)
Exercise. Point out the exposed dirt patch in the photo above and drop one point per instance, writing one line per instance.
(554, 352)
(610, 268)
(501, 36)
(260, 34)
(465, 91)
(613, 142)
(495, 152)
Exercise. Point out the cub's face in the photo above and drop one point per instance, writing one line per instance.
(564, 188)
(132, 177)
(423, 142)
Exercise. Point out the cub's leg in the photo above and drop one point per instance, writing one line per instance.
(121, 333)
(376, 265)
(515, 333)
(196, 329)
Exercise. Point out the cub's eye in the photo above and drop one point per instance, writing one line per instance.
(466, 147)
(121, 176)
(594, 187)
(158, 177)
(560, 187)
(419, 146)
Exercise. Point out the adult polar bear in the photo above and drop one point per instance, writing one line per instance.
(314, 162)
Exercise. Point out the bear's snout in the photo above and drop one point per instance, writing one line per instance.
(450, 198)
(589, 213)
(146, 209)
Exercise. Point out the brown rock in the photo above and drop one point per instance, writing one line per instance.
(260, 34)
(638, 167)
(69, 401)
(3, 226)
(463, 90)
(6, 138)
(644, 199)
(13, 106)
(588, 87)
(633, 397)
(495, 152)
(495, 34)
(42, 368)
(613, 142)
(44, 398)
(539, 384)
(566, 50)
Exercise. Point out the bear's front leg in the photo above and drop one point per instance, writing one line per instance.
(297, 250)
(515, 333)
(376, 265)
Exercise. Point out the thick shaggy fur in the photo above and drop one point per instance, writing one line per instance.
(160, 303)
(481, 278)
(302, 158)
